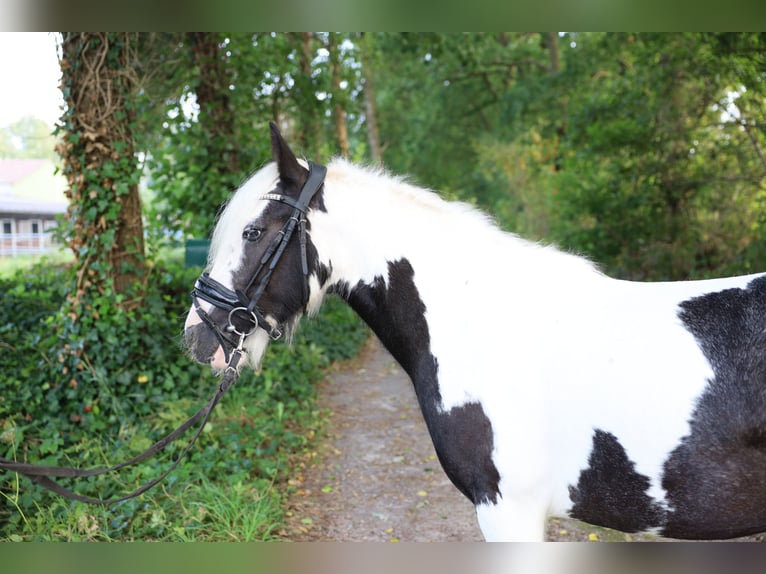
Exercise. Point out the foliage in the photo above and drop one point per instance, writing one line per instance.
(27, 137)
(643, 151)
(660, 181)
(143, 387)
(209, 130)
(198, 154)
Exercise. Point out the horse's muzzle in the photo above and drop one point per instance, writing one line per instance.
(201, 342)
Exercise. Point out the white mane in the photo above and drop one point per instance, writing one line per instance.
(401, 211)
(375, 180)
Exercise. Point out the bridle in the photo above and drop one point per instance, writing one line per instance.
(236, 303)
(245, 309)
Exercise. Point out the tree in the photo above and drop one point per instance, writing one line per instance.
(309, 118)
(103, 226)
(665, 184)
(28, 138)
(609, 144)
(367, 57)
(216, 116)
(193, 154)
(642, 150)
(338, 109)
(208, 129)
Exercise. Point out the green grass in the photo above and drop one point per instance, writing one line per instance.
(10, 265)
(231, 486)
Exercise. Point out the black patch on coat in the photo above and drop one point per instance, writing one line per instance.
(462, 437)
(716, 479)
(611, 493)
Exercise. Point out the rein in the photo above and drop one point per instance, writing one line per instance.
(43, 475)
(236, 303)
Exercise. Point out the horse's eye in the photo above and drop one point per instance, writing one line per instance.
(251, 233)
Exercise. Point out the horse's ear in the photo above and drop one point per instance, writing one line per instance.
(289, 168)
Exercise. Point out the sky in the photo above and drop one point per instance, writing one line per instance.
(29, 76)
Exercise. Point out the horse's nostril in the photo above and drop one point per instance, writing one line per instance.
(201, 342)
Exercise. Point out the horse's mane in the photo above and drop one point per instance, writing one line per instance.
(375, 179)
(460, 219)
(371, 181)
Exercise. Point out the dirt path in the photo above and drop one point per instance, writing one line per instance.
(376, 476)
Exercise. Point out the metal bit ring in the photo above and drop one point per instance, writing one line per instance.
(234, 330)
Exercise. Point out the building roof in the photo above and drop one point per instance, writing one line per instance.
(14, 170)
(14, 205)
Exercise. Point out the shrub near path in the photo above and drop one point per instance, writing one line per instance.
(230, 486)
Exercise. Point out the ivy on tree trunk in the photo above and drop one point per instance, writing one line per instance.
(103, 226)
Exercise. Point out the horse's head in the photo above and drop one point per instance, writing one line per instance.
(262, 262)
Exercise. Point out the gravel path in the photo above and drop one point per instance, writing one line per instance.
(376, 477)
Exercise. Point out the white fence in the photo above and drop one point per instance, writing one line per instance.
(12, 244)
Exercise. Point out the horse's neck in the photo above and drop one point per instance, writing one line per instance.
(374, 241)
(395, 252)
(375, 221)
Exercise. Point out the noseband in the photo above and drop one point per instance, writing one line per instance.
(236, 302)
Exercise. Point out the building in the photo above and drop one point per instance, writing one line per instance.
(31, 196)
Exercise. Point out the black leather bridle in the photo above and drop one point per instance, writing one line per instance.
(241, 308)
(236, 303)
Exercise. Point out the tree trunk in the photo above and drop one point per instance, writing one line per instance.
(552, 44)
(551, 41)
(216, 116)
(370, 111)
(310, 131)
(339, 113)
(104, 228)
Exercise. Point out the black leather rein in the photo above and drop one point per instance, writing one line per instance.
(44, 475)
(235, 302)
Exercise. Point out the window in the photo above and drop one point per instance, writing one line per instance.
(7, 227)
(35, 228)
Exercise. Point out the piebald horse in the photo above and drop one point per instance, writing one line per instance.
(548, 388)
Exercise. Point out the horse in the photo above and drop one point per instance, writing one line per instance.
(547, 387)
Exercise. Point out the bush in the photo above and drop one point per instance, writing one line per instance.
(141, 386)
